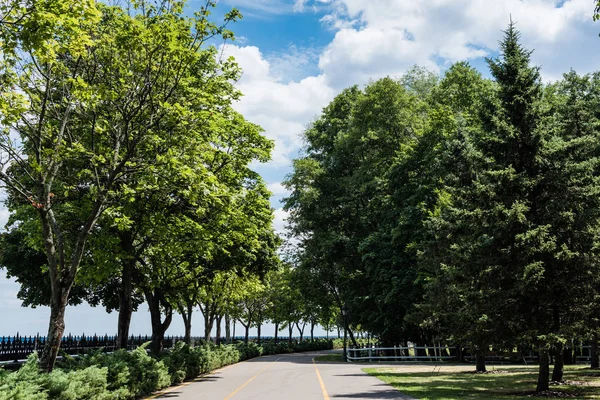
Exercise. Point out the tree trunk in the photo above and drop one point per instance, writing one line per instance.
(155, 300)
(338, 329)
(247, 334)
(301, 331)
(290, 330)
(227, 329)
(352, 337)
(126, 290)
(276, 331)
(218, 335)
(480, 361)
(559, 363)
(559, 359)
(186, 314)
(345, 351)
(209, 320)
(56, 328)
(62, 275)
(312, 331)
(595, 361)
(258, 329)
(543, 383)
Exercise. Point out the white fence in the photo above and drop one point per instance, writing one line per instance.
(400, 354)
(441, 353)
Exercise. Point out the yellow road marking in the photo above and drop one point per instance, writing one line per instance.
(251, 379)
(325, 395)
(198, 379)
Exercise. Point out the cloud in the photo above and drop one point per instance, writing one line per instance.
(278, 189)
(385, 37)
(299, 5)
(4, 213)
(276, 7)
(279, 223)
(264, 6)
(283, 108)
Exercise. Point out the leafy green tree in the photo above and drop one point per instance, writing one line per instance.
(82, 129)
(572, 177)
(512, 239)
(27, 266)
(450, 307)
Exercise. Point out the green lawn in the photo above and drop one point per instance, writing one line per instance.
(510, 383)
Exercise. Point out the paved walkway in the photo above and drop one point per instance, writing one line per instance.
(286, 377)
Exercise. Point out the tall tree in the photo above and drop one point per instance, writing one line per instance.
(90, 103)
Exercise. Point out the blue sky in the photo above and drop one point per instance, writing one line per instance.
(298, 54)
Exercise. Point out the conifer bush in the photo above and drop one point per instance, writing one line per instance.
(124, 375)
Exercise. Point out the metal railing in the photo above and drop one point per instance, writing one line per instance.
(400, 354)
(444, 353)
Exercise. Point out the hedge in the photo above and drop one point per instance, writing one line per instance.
(130, 375)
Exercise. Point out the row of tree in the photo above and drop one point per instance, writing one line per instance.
(126, 166)
(464, 210)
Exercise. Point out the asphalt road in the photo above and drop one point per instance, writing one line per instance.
(285, 377)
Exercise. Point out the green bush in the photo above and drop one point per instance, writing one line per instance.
(249, 350)
(29, 384)
(86, 384)
(124, 375)
(186, 362)
(339, 343)
(130, 373)
(25, 384)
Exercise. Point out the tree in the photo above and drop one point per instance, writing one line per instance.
(451, 307)
(510, 246)
(571, 177)
(82, 129)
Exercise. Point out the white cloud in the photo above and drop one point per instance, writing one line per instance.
(384, 37)
(276, 7)
(282, 108)
(279, 223)
(263, 6)
(4, 214)
(299, 5)
(278, 189)
(3, 217)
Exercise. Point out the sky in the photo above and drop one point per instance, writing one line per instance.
(298, 54)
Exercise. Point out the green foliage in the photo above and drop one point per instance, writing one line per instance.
(25, 384)
(249, 350)
(29, 383)
(464, 209)
(130, 140)
(131, 374)
(339, 343)
(127, 375)
(186, 362)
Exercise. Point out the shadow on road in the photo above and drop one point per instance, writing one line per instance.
(380, 394)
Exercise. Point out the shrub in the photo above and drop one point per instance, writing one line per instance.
(249, 350)
(186, 362)
(135, 371)
(86, 384)
(126, 375)
(25, 384)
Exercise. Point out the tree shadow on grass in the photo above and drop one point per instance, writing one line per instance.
(519, 385)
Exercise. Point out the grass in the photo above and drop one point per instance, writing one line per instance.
(511, 383)
(330, 358)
